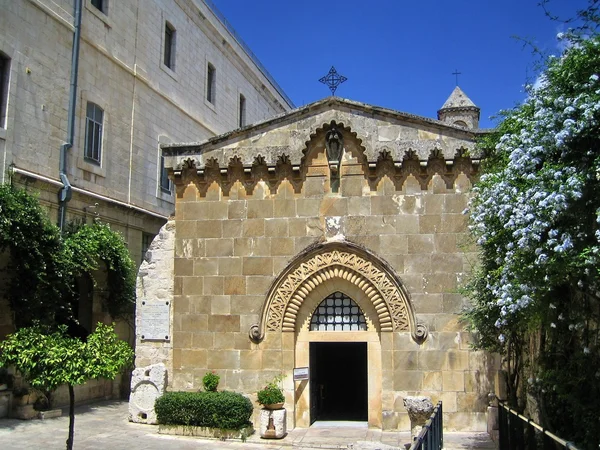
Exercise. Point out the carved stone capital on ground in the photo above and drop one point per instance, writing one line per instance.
(419, 410)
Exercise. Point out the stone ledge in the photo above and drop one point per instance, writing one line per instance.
(208, 432)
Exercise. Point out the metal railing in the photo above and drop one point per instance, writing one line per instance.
(431, 436)
(517, 432)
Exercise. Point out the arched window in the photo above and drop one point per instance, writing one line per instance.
(338, 312)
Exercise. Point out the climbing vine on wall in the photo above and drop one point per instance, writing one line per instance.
(43, 266)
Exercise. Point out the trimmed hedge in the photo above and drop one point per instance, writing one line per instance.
(224, 410)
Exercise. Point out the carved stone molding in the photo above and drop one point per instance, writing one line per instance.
(337, 261)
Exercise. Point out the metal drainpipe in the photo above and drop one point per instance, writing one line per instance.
(65, 192)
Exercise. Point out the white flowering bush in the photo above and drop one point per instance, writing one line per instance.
(535, 214)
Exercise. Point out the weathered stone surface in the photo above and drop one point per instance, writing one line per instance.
(419, 410)
(147, 384)
(273, 423)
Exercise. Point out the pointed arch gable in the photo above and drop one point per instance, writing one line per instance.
(337, 260)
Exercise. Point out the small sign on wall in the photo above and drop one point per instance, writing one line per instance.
(155, 321)
(300, 373)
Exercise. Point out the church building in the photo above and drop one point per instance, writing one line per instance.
(331, 238)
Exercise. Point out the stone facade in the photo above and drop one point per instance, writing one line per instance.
(263, 235)
(145, 103)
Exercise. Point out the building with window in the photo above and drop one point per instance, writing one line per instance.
(330, 238)
(150, 72)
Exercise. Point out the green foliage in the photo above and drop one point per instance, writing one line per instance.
(44, 266)
(210, 381)
(271, 393)
(225, 410)
(48, 359)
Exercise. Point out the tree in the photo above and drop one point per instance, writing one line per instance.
(48, 359)
(536, 217)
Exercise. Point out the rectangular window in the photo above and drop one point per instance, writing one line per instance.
(146, 241)
(165, 183)
(169, 56)
(4, 85)
(93, 133)
(242, 115)
(100, 5)
(211, 75)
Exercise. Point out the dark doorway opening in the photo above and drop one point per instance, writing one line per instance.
(338, 381)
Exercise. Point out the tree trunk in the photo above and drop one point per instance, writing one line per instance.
(71, 417)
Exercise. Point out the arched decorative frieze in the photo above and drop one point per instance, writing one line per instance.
(331, 261)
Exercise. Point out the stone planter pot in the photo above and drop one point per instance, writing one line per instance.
(274, 406)
(273, 423)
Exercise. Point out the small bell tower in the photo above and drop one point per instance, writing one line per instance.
(459, 110)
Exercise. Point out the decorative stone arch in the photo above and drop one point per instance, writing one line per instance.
(342, 261)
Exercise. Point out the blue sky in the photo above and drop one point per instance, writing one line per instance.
(400, 54)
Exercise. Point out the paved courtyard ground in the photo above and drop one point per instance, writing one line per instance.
(104, 425)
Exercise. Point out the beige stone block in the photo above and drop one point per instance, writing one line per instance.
(351, 186)
(445, 243)
(449, 401)
(408, 380)
(420, 244)
(185, 229)
(190, 323)
(176, 358)
(203, 267)
(453, 381)
(454, 303)
(308, 207)
(432, 381)
(284, 208)
(334, 206)
(378, 225)
(177, 286)
(272, 360)
(236, 209)
(445, 340)
(251, 359)
(193, 358)
(234, 285)
(372, 243)
(246, 304)
(181, 305)
(257, 266)
(282, 246)
(447, 262)
(209, 229)
(416, 263)
(271, 341)
(392, 244)
(466, 340)
(223, 323)
(447, 322)
(259, 209)
(220, 304)
(432, 360)
(183, 267)
(232, 228)
(429, 224)
(253, 246)
(405, 360)
(454, 223)
(313, 187)
(219, 247)
(224, 341)
(427, 303)
(433, 204)
(455, 203)
(458, 360)
(190, 248)
(403, 422)
(230, 266)
(411, 204)
(224, 359)
(390, 420)
(213, 285)
(354, 225)
(301, 243)
(258, 284)
(403, 341)
(280, 263)
(460, 421)
(192, 285)
(315, 226)
(253, 228)
(276, 227)
(241, 341)
(189, 193)
(182, 339)
(384, 205)
(407, 224)
(359, 206)
(440, 283)
(199, 304)
(297, 227)
(203, 340)
(387, 341)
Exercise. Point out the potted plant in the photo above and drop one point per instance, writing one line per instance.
(271, 396)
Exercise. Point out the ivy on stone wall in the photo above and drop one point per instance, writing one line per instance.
(43, 266)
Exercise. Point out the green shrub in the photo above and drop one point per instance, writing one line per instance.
(210, 381)
(224, 410)
(271, 393)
